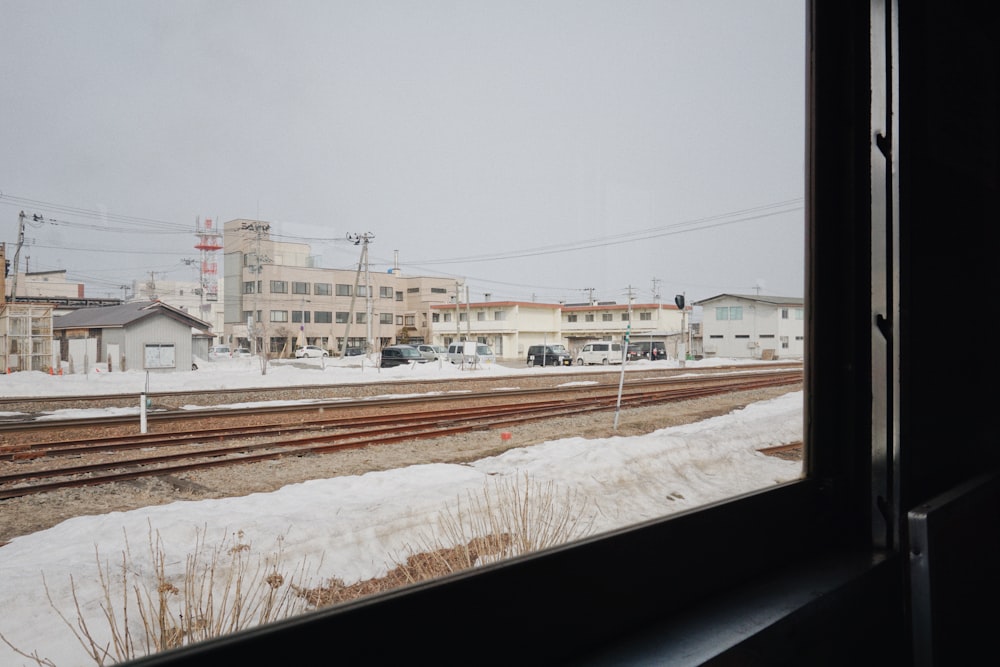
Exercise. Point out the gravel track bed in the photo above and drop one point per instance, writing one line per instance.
(21, 516)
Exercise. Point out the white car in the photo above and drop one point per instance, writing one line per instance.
(600, 353)
(219, 352)
(433, 352)
(310, 351)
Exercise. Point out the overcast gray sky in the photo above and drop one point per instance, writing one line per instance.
(537, 149)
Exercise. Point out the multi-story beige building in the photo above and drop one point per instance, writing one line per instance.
(275, 297)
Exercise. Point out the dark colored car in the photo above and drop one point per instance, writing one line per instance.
(549, 355)
(354, 351)
(398, 355)
(635, 352)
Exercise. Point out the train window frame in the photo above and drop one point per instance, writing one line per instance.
(713, 580)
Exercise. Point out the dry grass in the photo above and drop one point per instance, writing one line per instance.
(507, 519)
(225, 589)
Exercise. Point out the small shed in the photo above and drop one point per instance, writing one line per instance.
(144, 335)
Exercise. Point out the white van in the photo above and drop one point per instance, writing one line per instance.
(219, 352)
(600, 353)
(471, 353)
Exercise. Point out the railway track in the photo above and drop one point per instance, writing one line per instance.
(40, 456)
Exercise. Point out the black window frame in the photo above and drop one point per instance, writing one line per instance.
(664, 587)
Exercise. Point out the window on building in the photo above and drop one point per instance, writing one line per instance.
(361, 318)
(301, 316)
(323, 317)
(279, 287)
(343, 290)
(399, 296)
(589, 317)
(784, 313)
(362, 290)
(645, 316)
(248, 287)
(410, 320)
(480, 316)
(784, 342)
(607, 317)
(413, 290)
(279, 315)
(300, 287)
(729, 313)
(447, 317)
(385, 318)
(800, 313)
(435, 317)
(463, 317)
(625, 317)
(322, 289)
(499, 315)
(438, 290)
(385, 292)
(342, 317)
(571, 317)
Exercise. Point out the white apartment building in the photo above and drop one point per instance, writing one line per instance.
(188, 296)
(274, 296)
(756, 327)
(511, 327)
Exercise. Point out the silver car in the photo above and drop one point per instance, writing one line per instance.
(433, 352)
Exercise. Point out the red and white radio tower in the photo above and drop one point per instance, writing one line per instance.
(209, 245)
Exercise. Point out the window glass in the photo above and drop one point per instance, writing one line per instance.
(586, 154)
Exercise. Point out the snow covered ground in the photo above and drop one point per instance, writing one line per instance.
(355, 528)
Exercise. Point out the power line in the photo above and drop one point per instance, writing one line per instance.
(698, 224)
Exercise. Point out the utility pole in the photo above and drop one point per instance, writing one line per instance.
(458, 301)
(258, 228)
(363, 240)
(201, 285)
(17, 256)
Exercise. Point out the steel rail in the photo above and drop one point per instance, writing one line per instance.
(405, 427)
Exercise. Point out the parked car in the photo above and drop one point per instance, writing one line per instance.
(457, 354)
(600, 353)
(433, 352)
(219, 352)
(549, 355)
(354, 351)
(398, 355)
(310, 351)
(635, 352)
(241, 352)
